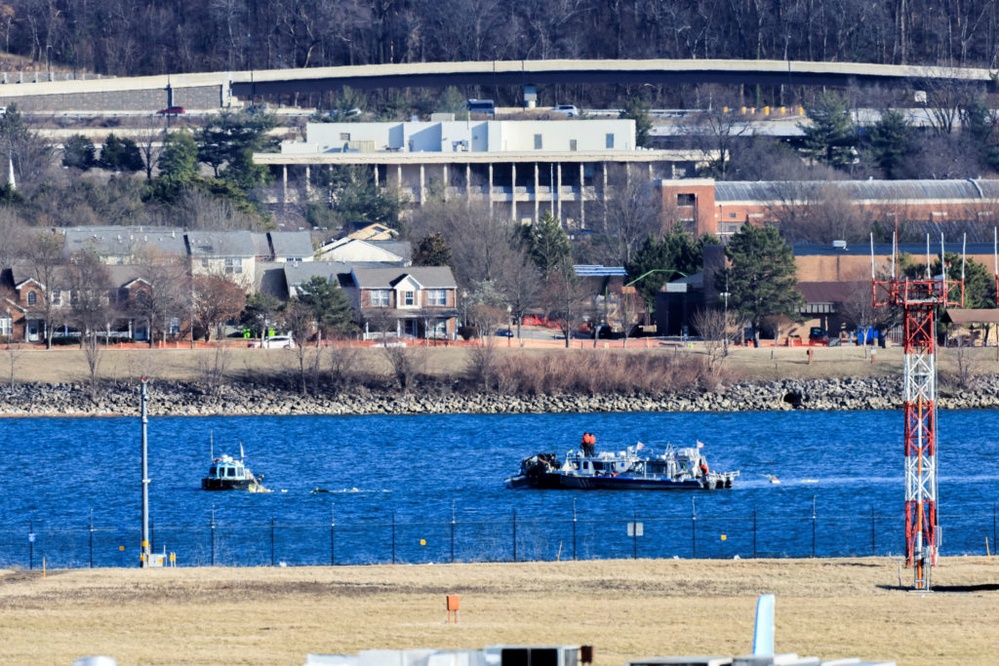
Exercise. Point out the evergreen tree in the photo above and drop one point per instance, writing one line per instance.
(831, 137)
(179, 159)
(891, 143)
(79, 153)
(433, 250)
(328, 303)
(121, 155)
(227, 143)
(547, 244)
(762, 276)
(660, 260)
(638, 110)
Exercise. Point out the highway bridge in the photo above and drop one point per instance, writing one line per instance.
(220, 89)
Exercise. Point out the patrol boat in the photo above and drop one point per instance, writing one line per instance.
(635, 468)
(227, 473)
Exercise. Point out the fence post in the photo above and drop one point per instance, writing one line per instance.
(91, 538)
(332, 535)
(393, 537)
(874, 550)
(272, 540)
(813, 525)
(574, 528)
(754, 532)
(634, 536)
(514, 535)
(212, 532)
(693, 530)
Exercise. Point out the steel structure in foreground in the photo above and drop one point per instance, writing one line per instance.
(919, 300)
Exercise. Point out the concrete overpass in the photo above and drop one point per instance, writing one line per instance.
(219, 89)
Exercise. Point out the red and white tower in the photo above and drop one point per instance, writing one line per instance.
(919, 300)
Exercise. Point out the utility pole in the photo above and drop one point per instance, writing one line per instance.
(725, 294)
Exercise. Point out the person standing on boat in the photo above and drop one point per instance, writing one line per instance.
(704, 466)
(589, 445)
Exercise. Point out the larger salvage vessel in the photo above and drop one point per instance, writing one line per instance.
(635, 468)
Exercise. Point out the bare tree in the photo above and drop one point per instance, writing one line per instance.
(216, 300)
(344, 360)
(301, 321)
(90, 285)
(213, 366)
(714, 133)
(162, 294)
(44, 251)
(632, 212)
(150, 142)
(713, 328)
(408, 363)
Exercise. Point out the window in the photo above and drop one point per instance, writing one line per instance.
(609, 141)
(537, 142)
(686, 199)
(345, 136)
(57, 296)
(32, 298)
(572, 145)
(6, 326)
(123, 294)
(233, 265)
(409, 298)
(437, 297)
(173, 328)
(205, 264)
(379, 298)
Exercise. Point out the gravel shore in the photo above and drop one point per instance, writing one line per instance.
(189, 399)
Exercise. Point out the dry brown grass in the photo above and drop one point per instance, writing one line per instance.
(627, 609)
(580, 362)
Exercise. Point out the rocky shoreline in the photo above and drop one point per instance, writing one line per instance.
(185, 399)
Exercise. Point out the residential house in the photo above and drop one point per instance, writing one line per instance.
(414, 301)
(352, 250)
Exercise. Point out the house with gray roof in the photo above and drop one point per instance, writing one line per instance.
(413, 301)
(348, 249)
(124, 245)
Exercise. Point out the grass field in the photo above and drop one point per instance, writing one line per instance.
(626, 609)
(183, 363)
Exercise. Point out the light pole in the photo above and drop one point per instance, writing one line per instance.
(725, 295)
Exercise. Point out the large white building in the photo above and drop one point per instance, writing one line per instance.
(520, 168)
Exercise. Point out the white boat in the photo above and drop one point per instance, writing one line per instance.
(635, 468)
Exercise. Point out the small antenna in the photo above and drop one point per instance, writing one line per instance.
(872, 257)
(928, 256)
(211, 444)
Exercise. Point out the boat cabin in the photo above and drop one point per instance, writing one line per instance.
(227, 468)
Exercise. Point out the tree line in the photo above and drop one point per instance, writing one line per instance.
(116, 37)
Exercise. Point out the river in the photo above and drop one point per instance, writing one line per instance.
(430, 488)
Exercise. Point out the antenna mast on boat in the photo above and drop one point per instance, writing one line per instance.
(919, 300)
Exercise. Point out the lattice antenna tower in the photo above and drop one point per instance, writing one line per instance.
(919, 299)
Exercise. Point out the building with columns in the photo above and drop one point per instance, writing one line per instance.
(519, 168)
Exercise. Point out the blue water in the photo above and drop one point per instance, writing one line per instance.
(430, 488)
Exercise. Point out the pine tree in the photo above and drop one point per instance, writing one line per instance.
(762, 276)
(831, 137)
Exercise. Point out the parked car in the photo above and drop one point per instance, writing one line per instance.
(504, 332)
(279, 342)
(817, 336)
(567, 109)
(172, 111)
